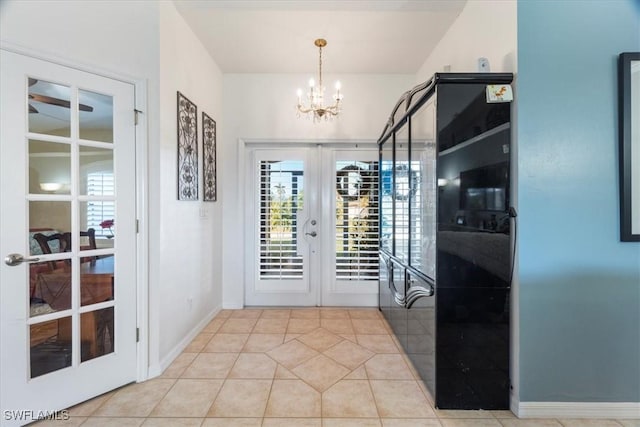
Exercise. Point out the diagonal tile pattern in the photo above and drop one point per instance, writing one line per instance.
(309, 367)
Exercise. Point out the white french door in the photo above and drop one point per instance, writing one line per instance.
(67, 280)
(312, 226)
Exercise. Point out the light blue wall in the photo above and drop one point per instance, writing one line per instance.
(579, 291)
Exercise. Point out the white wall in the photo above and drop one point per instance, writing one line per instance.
(189, 273)
(485, 28)
(125, 38)
(262, 106)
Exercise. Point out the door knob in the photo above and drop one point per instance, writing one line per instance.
(17, 259)
(312, 234)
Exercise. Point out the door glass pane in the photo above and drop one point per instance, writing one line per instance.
(96, 333)
(48, 218)
(96, 116)
(401, 194)
(96, 171)
(50, 344)
(281, 197)
(49, 111)
(99, 216)
(51, 289)
(386, 202)
(96, 279)
(356, 220)
(423, 203)
(49, 167)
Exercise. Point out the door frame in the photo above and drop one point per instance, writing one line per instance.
(142, 191)
(245, 146)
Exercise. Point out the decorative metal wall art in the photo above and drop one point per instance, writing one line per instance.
(209, 158)
(187, 149)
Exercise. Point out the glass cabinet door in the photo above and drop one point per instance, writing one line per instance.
(422, 204)
(402, 194)
(386, 196)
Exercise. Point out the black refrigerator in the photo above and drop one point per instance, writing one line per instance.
(445, 235)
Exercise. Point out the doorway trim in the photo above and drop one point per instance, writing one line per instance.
(142, 191)
(246, 144)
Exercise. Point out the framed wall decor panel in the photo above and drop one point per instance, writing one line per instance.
(187, 149)
(209, 158)
(629, 116)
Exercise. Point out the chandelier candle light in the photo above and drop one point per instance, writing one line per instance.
(315, 96)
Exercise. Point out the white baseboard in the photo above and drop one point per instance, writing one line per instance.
(158, 369)
(606, 410)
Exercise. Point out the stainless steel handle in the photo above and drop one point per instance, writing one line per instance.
(17, 259)
(312, 234)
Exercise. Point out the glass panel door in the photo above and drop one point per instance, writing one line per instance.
(283, 232)
(69, 313)
(314, 218)
(350, 244)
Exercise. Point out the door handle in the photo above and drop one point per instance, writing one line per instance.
(17, 259)
(312, 234)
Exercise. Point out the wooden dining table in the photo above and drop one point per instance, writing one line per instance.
(104, 264)
(96, 286)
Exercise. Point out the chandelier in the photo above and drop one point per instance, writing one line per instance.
(315, 96)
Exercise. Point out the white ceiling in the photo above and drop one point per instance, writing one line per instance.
(363, 36)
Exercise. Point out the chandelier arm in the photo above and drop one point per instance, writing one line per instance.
(304, 110)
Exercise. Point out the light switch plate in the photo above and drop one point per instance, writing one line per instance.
(499, 93)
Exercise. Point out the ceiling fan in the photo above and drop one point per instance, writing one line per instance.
(51, 101)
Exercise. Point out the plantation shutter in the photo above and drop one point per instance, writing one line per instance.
(281, 197)
(100, 184)
(357, 215)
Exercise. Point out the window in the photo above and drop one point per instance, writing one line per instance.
(281, 197)
(356, 220)
(100, 184)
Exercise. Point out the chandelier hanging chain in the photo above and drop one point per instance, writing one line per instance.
(320, 66)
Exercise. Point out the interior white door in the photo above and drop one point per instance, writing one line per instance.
(313, 233)
(67, 283)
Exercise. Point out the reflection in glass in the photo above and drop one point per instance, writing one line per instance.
(401, 195)
(49, 167)
(50, 344)
(97, 334)
(386, 200)
(49, 111)
(96, 116)
(96, 279)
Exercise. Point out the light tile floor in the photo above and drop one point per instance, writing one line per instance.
(311, 367)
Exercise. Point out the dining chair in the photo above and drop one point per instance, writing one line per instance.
(47, 245)
(87, 242)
